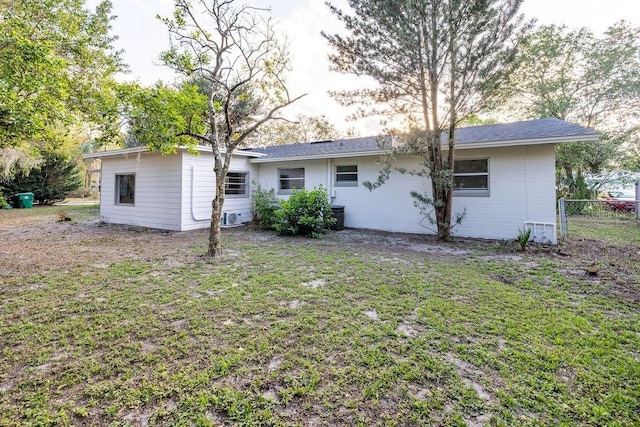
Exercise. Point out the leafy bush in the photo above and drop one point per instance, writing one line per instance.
(306, 213)
(3, 201)
(265, 205)
(50, 182)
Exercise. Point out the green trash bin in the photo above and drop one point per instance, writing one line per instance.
(25, 200)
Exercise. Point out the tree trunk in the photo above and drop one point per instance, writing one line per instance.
(215, 238)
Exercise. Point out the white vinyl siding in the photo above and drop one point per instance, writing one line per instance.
(199, 189)
(157, 190)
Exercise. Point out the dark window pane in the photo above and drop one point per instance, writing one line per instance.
(471, 166)
(291, 178)
(292, 173)
(346, 169)
(235, 183)
(290, 184)
(347, 177)
(126, 189)
(474, 182)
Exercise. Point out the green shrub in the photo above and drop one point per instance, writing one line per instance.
(50, 182)
(306, 213)
(3, 201)
(265, 205)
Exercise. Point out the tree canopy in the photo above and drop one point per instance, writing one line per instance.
(233, 64)
(54, 57)
(435, 63)
(302, 129)
(594, 81)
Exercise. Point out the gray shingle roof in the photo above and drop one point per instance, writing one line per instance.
(531, 130)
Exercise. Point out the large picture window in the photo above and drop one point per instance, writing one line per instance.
(471, 177)
(236, 184)
(346, 176)
(290, 179)
(125, 189)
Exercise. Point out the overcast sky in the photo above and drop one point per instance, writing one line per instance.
(143, 37)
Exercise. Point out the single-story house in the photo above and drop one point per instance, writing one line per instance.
(504, 177)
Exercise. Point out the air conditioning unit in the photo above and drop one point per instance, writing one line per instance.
(230, 219)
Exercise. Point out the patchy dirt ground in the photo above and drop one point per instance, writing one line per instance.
(35, 244)
(38, 243)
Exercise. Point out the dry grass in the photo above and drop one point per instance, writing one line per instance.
(104, 324)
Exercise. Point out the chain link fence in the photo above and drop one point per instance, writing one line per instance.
(597, 210)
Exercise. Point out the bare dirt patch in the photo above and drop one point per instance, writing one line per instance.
(37, 244)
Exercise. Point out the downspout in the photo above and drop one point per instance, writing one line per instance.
(193, 184)
(330, 189)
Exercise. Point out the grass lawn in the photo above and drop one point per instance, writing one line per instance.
(122, 326)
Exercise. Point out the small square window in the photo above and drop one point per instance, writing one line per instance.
(236, 184)
(290, 179)
(125, 189)
(346, 176)
(471, 177)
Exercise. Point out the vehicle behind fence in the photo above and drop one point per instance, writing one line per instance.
(596, 211)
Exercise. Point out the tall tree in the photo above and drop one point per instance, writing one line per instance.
(303, 129)
(577, 76)
(238, 62)
(54, 57)
(435, 62)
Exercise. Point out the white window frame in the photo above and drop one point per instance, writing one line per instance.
(118, 200)
(280, 179)
(244, 186)
(472, 192)
(338, 173)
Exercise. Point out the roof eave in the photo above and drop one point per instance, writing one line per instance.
(521, 142)
(319, 156)
(143, 149)
(114, 153)
(459, 146)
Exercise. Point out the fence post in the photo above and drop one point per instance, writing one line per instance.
(563, 218)
(638, 200)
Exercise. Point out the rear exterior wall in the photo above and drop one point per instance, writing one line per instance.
(521, 190)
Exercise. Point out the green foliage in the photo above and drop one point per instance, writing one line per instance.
(3, 200)
(523, 237)
(265, 205)
(576, 188)
(50, 182)
(303, 129)
(54, 58)
(435, 64)
(233, 83)
(165, 117)
(305, 213)
(577, 76)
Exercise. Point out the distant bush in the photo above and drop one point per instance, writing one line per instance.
(305, 213)
(50, 182)
(265, 205)
(3, 201)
